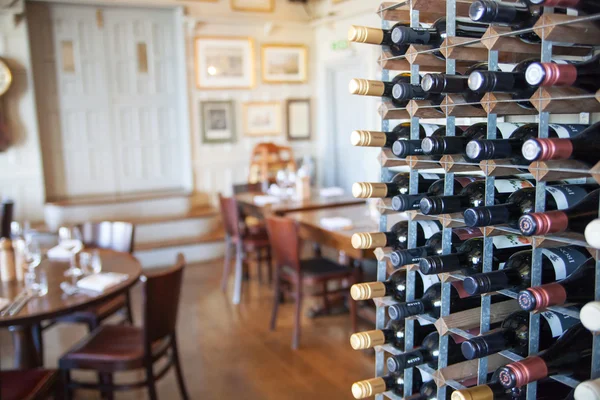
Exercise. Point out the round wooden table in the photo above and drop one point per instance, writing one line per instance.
(56, 303)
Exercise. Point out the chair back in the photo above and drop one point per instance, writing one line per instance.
(117, 236)
(230, 215)
(283, 237)
(247, 187)
(161, 294)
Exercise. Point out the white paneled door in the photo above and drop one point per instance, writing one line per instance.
(117, 101)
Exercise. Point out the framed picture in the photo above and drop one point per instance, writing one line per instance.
(218, 122)
(283, 63)
(224, 62)
(262, 118)
(253, 5)
(298, 119)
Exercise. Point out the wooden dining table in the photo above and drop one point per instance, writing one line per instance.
(57, 303)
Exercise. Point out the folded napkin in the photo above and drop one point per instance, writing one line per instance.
(261, 200)
(336, 223)
(331, 192)
(65, 250)
(3, 303)
(102, 281)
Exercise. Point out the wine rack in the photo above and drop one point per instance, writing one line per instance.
(499, 45)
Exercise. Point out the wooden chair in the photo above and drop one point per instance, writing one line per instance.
(32, 384)
(117, 348)
(285, 242)
(246, 242)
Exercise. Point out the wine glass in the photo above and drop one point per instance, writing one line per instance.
(70, 239)
(33, 258)
(282, 179)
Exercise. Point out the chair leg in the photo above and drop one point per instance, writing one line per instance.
(38, 340)
(276, 300)
(151, 381)
(326, 305)
(66, 378)
(298, 315)
(128, 312)
(106, 379)
(178, 369)
(227, 264)
(269, 265)
(237, 285)
(259, 259)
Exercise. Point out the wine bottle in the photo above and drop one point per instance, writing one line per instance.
(573, 219)
(392, 334)
(394, 286)
(517, 16)
(389, 90)
(387, 139)
(427, 353)
(457, 144)
(398, 185)
(377, 36)
(584, 75)
(428, 391)
(431, 301)
(577, 288)
(559, 197)
(582, 147)
(405, 202)
(469, 255)
(454, 83)
(397, 237)
(412, 147)
(547, 389)
(592, 233)
(557, 264)
(472, 195)
(393, 382)
(488, 149)
(588, 390)
(570, 354)
(513, 335)
(590, 316)
(433, 246)
(513, 82)
(405, 92)
(587, 6)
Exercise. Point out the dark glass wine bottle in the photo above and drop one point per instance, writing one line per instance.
(513, 335)
(432, 247)
(397, 237)
(472, 195)
(457, 144)
(583, 147)
(587, 6)
(547, 389)
(469, 255)
(405, 202)
(570, 354)
(405, 92)
(377, 36)
(394, 286)
(393, 382)
(557, 264)
(584, 75)
(427, 353)
(398, 185)
(577, 288)
(513, 82)
(431, 301)
(522, 201)
(387, 139)
(428, 391)
(572, 219)
(454, 83)
(392, 334)
(516, 15)
(412, 147)
(389, 90)
(488, 149)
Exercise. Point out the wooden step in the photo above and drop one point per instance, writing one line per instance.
(215, 236)
(113, 199)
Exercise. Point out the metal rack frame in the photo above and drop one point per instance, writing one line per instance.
(546, 55)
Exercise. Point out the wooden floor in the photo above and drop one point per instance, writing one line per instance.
(228, 351)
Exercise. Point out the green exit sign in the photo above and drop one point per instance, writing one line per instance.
(340, 45)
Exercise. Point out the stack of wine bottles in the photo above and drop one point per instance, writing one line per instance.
(486, 282)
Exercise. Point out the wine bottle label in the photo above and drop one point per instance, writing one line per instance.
(429, 128)
(429, 228)
(507, 128)
(558, 323)
(565, 260)
(566, 131)
(503, 242)
(566, 196)
(430, 176)
(465, 180)
(428, 280)
(467, 233)
(511, 185)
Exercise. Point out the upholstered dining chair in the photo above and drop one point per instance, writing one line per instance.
(31, 384)
(246, 241)
(116, 348)
(319, 271)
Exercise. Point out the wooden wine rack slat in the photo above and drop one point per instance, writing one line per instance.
(498, 46)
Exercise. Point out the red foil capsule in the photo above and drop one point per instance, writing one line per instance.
(543, 223)
(543, 297)
(559, 74)
(521, 373)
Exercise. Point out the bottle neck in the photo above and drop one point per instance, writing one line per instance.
(537, 149)
(490, 343)
(492, 215)
(507, 278)
(410, 256)
(488, 149)
(446, 263)
(444, 145)
(434, 205)
(404, 35)
(444, 83)
(404, 148)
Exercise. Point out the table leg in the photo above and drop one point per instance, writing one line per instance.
(237, 284)
(26, 355)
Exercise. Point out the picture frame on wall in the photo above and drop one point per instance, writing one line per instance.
(262, 118)
(224, 62)
(298, 119)
(253, 5)
(284, 63)
(217, 119)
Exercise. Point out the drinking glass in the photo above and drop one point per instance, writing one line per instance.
(282, 181)
(38, 282)
(96, 262)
